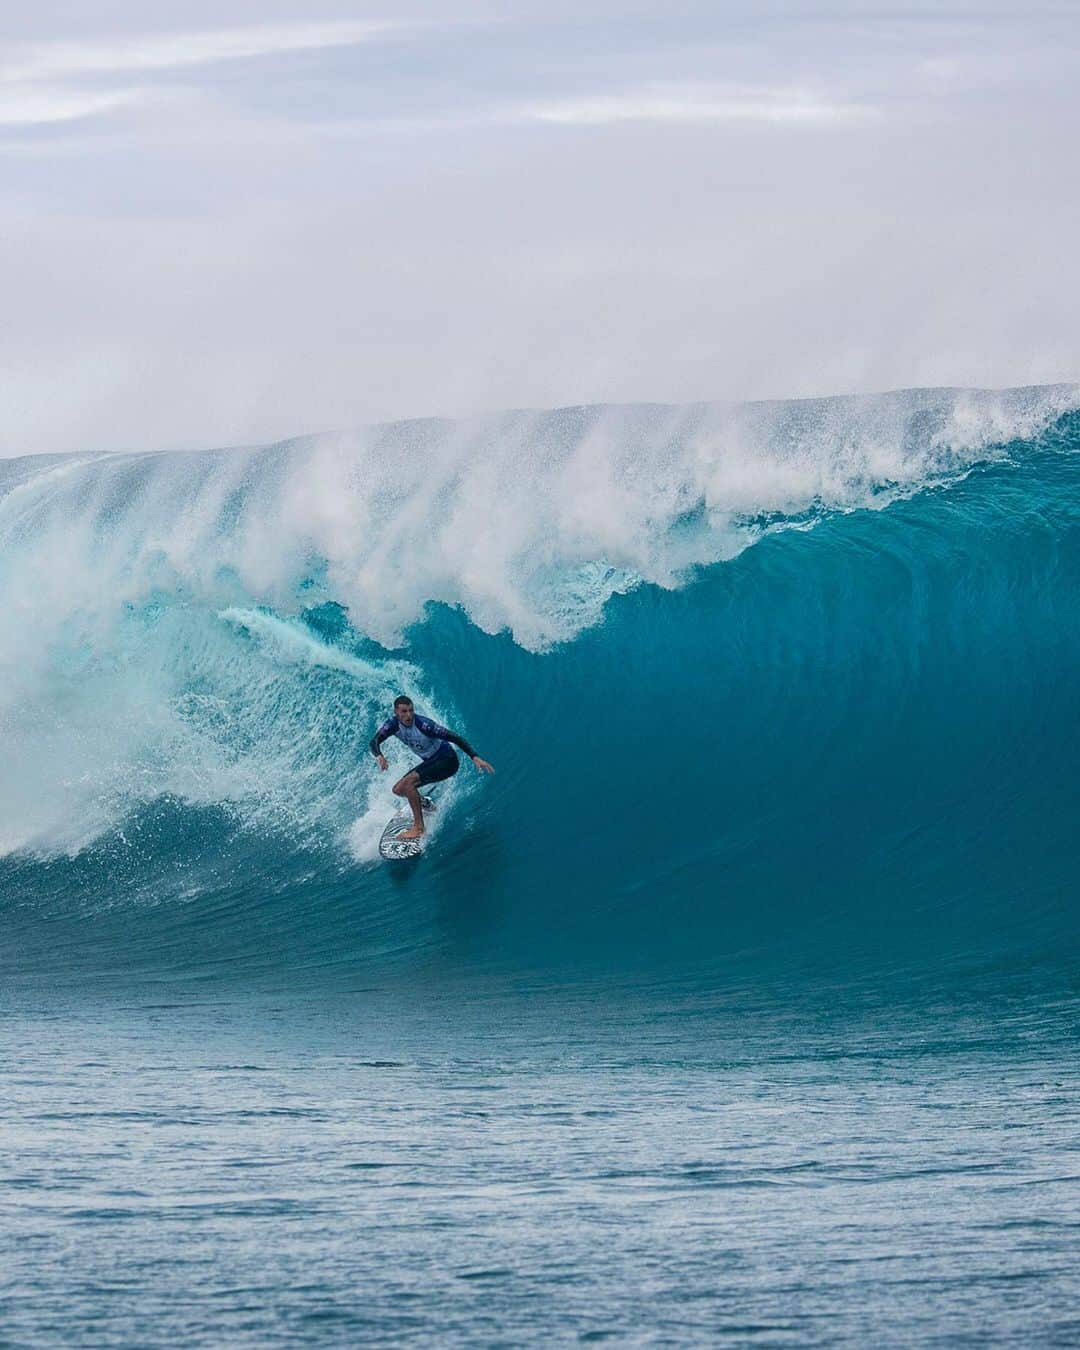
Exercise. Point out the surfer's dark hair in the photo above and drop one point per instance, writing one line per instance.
(403, 700)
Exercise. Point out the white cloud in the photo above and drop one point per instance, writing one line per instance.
(167, 51)
(699, 103)
(42, 105)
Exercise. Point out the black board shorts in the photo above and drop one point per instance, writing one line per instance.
(442, 765)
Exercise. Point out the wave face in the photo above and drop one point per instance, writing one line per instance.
(781, 687)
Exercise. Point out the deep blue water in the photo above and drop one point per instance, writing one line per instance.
(739, 1006)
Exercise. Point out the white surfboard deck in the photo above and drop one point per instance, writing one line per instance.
(394, 849)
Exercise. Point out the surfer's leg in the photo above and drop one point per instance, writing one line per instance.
(407, 788)
(434, 770)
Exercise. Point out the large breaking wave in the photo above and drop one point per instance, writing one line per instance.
(768, 684)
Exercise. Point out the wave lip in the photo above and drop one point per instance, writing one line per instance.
(529, 521)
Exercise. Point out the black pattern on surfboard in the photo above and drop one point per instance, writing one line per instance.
(394, 849)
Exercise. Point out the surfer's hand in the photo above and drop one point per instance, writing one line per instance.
(380, 760)
(482, 764)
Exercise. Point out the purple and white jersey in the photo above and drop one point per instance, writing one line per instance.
(424, 738)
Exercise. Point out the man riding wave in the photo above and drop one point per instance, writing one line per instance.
(435, 746)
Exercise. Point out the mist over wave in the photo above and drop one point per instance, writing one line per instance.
(853, 740)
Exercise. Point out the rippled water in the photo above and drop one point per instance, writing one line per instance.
(538, 1168)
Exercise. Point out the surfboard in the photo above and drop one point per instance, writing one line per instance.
(394, 849)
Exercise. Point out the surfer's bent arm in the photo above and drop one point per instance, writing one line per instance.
(383, 734)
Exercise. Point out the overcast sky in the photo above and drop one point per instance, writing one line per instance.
(235, 222)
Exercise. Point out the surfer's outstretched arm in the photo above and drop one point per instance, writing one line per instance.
(445, 734)
(457, 740)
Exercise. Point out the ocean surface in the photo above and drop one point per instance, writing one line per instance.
(739, 1007)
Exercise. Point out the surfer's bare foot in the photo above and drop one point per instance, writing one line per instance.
(413, 832)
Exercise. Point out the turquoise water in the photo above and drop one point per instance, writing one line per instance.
(739, 1006)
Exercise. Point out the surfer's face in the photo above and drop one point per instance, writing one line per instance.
(404, 715)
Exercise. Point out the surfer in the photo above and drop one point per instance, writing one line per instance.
(435, 746)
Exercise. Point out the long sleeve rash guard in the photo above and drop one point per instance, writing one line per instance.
(424, 738)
